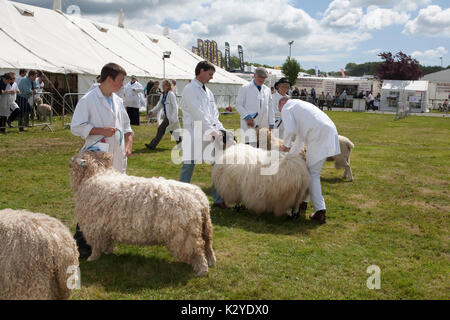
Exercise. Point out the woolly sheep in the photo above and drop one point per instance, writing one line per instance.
(114, 207)
(36, 254)
(237, 178)
(342, 160)
(43, 110)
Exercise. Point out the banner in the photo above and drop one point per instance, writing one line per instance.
(219, 58)
(317, 71)
(195, 50)
(343, 73)
(207, 54)
(241, 57)
(214, 52)
(227, 56)
(329, 87)
(200, 48)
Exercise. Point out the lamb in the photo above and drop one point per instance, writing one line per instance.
(342, 160)
(114, 207)
(37, 253)
(43, 110)
(239, 180)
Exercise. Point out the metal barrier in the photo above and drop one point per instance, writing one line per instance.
(440, 105)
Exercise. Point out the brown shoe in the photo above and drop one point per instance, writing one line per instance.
(221, 205)
(319, 216)
(303, 206)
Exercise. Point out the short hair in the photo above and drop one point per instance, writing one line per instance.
(111, 70)
(7, 76)
(22, 71)
(32, 73)
(205, 65)
(261, 72)
(283, 99)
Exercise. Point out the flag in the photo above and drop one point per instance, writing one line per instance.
(317, 71)
(343, 73)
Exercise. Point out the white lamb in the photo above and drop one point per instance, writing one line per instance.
(114, 207)
(238, 179)
(342, 160)
(37, 256)
(43, 110)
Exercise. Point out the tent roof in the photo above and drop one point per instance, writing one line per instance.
(440, 76)
(53, 41)
(405, 85)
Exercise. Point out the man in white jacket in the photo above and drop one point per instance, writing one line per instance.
(200, 122)
(314, 129)
(100, 118)
(281, 89)
(254, 104)
(134, 94)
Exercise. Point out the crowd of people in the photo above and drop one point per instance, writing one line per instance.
(18, 96)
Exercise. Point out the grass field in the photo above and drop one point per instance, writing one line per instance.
(394, 215)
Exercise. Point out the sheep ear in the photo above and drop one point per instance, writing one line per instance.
(81, 162)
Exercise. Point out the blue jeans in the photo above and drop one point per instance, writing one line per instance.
(186, 175)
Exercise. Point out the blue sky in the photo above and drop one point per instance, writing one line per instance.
(326, 33)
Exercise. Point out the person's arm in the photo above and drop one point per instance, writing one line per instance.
(128, 143)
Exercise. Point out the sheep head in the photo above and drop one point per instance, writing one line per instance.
(38, 101)
(88, 163)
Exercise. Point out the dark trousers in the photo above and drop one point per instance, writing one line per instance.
(14, 115)
(2, 124)
(160, 134)
(133, 114)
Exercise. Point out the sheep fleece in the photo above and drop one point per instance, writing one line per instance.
(114, 207)
(35, 253)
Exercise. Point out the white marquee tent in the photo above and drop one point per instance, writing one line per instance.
(38, 38)
(397, 93)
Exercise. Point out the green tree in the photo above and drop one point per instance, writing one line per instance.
(291, 69)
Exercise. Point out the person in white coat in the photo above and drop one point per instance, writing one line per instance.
(169, 106)
(312, 128)
(254, 104)
(134, 94)
(281, 89)
(200, 122)
(12, 108)
(100, 118)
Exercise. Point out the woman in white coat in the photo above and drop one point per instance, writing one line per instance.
(100, 118)
(314, 129)
(133, 97)
(168, 106)
(281, 89)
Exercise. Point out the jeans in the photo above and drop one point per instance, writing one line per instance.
(186, 175)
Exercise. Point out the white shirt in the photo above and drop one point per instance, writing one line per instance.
(251, 101)
(93, 111)
(133, 92)
(199, 107)
(311, 127)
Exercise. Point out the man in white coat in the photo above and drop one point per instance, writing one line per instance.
(200, 122)
(134, 94)
(281, 89)
(314, 129)
(100, 118)
(254, 104)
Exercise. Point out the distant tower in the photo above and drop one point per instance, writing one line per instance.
(57, 5)
(121, 19)
(166, 31)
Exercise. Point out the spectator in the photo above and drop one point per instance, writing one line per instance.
(12, 90)
(155, 94)
(370, 100)
(22, 74)
(445, 105)
(296, 92)
(27, 88)
(174, 87)
(321, 101)
(330, 100)
(313, 96)
(133, 96)
(4, 81)
(343, 97)
(168, 103)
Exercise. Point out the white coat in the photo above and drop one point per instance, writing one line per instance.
(250, 101)
(93, 111)
(198, 105)
(311, 127)
(276, 97)
(11, 97)
(171, 110)
(133, 95)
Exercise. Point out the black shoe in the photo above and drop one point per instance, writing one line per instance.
(9, 124)
(319, 216)
(293, 216)
(149, 146)
(303, 206)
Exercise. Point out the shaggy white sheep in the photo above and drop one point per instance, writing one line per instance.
(114, 207)
(36, 252)
(43, 110)
(238, 178)
(342, 160)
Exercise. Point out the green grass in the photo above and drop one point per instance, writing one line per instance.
(394, 215)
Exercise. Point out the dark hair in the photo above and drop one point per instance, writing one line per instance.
(205, 65)
(22, 71)
(6, 76)
(32, 73)
(111, 70)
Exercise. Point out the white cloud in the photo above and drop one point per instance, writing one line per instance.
(397, 5)
(341, 14)
(431, 56)
(374, 51)
(379, 18)
(432, 21)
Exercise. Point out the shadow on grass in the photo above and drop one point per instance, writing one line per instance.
(259, 223)
(133, 272)
(334, 180)
(148, 151)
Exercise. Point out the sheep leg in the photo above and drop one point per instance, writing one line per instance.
(110, 248)
(200, 265)
(96, 253)
(348, 173)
